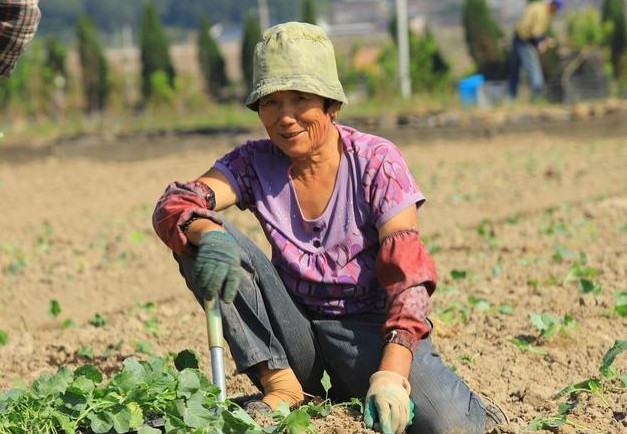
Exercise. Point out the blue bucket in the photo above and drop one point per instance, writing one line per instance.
(468, 89)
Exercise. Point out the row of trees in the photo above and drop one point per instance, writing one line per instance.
(42, 75)
(589, 29)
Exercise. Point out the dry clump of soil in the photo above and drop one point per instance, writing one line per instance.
(507, 219)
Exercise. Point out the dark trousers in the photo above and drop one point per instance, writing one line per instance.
(264, 324)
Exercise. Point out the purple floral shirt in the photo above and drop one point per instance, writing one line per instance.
(328, 264)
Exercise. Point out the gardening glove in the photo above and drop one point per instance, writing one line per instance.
(388, 403)
(217, 268)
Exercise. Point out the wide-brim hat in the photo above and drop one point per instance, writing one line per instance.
(295, 56)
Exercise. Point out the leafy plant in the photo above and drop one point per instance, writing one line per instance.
(620, 303)
(98, 320)
(75, 401)
(549, 325)
(524, 344)
(596, 385)
(4, 338)
(458, 274)
(55, 308)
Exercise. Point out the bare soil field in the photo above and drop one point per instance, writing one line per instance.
(519, 224)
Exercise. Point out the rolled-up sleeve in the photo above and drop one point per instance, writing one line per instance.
(19, 20)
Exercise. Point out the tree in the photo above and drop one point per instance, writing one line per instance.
(613, 13)
(211, 61)
(95, 69)
(309, 12)
(482, 35)
(56, 55)
(155, 54)
(252, 34)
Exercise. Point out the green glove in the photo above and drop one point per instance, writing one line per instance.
(217, 268)
(388, 403)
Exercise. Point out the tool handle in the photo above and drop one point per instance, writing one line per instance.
(216, 347)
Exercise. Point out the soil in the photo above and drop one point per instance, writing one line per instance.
(507, 217)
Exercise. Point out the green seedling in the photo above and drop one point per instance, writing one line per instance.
(549, 325)
(98, 320)
(43, 240)
(623, 227)
(497, 269)
(554, 228)
(452, 313)
(562, 254)
(479, 303)
(620, 303)
(506, 309)
(580, 270)
(514, 219)
(589, 287)
(486, 231)
(152, 325)
(524, 344)
(55, 308)
(458, 274)
(596, 385)
(467, 359)
(86, 351)
(143, 347)
(67, 323)
(4, 338)
(431, 245)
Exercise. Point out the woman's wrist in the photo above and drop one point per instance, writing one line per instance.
(396, 358)
(198, 227)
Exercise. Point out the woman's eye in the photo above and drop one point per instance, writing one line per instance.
(267, 102)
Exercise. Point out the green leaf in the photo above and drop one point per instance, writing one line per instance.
(188, 383)
(545, 422)
(610, 356)
(238, 421)
(526, 346)
(100, 423)
(506, 309)
(620, 303)
(186, 359)
(145, 429)
(90, 372)
(4, 338)
(55, 308)
(98, 320)
(589, 287)
(458, 274)
(74, 399)
(326, 382)
(545, 323)
(194, 414)
(297, 422)
(479, 303)
(567, 407)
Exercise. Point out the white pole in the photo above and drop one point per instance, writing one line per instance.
(403, 48)
(264, 16)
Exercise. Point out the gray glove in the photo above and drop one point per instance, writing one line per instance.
(217, 268)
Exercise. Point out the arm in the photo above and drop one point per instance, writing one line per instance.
(18, 23)
(184, 202)
(398, 358)
(225, 197)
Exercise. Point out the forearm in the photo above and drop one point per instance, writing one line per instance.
(198, 227)
(396, 358)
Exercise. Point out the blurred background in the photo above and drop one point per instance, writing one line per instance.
(128, 65)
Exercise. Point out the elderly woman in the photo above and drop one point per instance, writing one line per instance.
(348, 286)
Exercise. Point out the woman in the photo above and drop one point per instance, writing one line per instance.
(348, 287)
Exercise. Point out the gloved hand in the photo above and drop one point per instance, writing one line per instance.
(388, 403)
(217, 268)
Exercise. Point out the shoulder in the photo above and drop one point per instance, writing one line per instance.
(368, 146)
(252, 150)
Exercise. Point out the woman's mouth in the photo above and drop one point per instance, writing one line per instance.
(288, 136)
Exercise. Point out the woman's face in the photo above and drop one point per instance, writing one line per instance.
(296, 122)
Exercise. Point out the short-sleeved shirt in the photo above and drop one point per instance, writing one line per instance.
(328, 263)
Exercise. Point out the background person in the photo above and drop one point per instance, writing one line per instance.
(348, 287)
(19, 20)
(529, 40)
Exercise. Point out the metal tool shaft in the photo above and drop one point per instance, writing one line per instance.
(216, 346)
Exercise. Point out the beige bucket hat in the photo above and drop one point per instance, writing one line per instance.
(295, 56)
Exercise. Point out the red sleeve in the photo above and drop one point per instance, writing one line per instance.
(179, 203)
(407, 274)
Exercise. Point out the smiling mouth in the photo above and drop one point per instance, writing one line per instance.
(290, 135)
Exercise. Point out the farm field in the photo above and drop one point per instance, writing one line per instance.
(528, 230)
